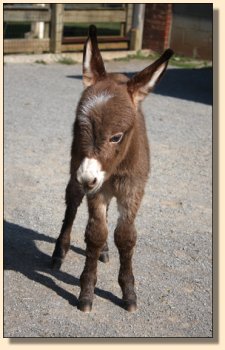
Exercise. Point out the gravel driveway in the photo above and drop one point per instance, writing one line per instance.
(173, 257)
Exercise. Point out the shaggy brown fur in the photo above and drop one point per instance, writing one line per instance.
(109, 107)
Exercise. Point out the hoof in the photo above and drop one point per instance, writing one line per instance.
(104, 257)
(85, 306)
(56, 263)
(130, 306)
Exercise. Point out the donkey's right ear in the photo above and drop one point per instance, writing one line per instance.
(93, 66)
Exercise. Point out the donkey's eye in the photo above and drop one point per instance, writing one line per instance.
(116, 138)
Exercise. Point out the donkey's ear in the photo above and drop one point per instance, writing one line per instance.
(93, 66)
(143, 82)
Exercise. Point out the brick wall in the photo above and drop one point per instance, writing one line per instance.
(157, 26)
(186, 28)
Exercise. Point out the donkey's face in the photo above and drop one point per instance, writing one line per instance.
(107, 114)
(106, 118)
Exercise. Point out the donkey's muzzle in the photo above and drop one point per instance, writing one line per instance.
(90, 175)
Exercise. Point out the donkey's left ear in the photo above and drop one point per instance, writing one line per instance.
(143, 82)
(93, 66)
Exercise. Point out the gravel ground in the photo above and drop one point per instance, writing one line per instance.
(173, 257)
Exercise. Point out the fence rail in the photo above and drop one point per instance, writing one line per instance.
(48, 22)
(101, 15)
(26, 45)
(27, 15)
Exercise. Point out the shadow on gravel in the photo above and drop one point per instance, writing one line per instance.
(187, 84)
(22, 255)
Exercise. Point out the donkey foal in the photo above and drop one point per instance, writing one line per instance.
(109, 158)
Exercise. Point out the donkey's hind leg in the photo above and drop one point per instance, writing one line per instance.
(74, 197)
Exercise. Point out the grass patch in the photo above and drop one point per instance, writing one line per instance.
(177, 61)
(81, 29)
(138, 55)
(66, 60)
(188, 62)
(16, 30)
(40, 62)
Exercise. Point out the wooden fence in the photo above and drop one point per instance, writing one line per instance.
(53, 17)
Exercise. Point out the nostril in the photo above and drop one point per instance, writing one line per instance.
(92, 183)
(87, 185)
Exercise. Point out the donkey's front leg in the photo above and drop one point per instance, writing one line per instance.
(125, 239)
(95, 238)
(74, 196)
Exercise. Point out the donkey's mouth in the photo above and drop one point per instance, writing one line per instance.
(94, 190)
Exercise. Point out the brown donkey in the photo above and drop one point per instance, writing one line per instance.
(109, 157)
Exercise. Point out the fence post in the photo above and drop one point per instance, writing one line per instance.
(56, 27)
(137, 27)
(129, 12)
